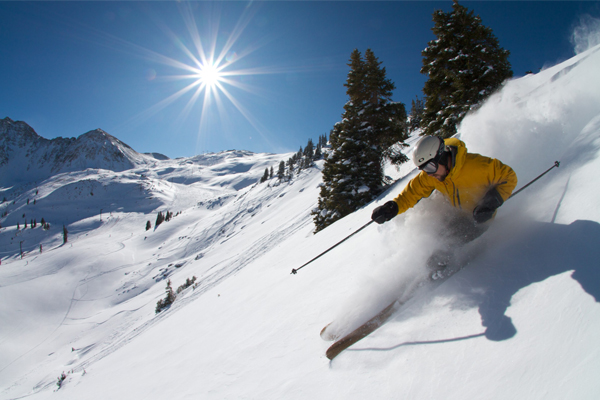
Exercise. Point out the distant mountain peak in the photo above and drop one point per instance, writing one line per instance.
(18, 131)
(27, 157)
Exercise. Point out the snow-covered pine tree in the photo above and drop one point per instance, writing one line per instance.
(416, 114)
(371, 125)
(465, 64)
(386, 120)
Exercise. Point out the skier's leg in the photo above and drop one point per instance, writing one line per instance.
(462, 230)
(459, 231)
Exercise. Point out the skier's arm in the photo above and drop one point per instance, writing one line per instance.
(415, 190)
(505, 178)
(412, 193)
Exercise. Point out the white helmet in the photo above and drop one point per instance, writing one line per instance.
(428, 148)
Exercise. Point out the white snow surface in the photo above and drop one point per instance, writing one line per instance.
(520, 321)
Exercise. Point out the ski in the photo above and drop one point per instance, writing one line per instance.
(362, 331)
(374, 323)
(325, 335)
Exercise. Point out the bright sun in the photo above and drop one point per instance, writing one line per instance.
(208, 72)
(209, 75)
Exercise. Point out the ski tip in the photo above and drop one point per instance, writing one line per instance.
(331, 354)
(324, 330)
(327, 334)
(335, 349)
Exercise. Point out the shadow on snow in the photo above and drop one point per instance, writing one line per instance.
(538, 252)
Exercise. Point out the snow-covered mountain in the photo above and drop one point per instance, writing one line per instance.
(520, 321)
(27, 157)
(73, 179)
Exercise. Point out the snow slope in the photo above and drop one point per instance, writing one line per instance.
(520, 321)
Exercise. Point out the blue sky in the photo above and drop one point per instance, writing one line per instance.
(70, 67)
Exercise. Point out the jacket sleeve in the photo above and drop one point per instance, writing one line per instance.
(505, 178)
(415, 190)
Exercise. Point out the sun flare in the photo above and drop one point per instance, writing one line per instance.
(212, 83)
(209, 75)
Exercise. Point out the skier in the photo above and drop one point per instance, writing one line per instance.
(474, 184)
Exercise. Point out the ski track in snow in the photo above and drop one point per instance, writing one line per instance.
(206, 238)
(248, 255)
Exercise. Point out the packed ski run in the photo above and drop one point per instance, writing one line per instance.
(520, 321)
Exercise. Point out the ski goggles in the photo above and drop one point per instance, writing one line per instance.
(431, 166)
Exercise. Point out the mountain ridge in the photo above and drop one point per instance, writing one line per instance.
(26, 157)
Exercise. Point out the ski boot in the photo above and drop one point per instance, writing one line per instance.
(438, 263)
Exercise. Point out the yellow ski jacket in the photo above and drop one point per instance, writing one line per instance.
(470, 178)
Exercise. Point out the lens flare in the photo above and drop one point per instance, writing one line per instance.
(209, 75)
(206, 65)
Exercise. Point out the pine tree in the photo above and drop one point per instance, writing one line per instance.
(309, 152)
(416, 114)
(265, 176)
(170, 295)
(372, 124)
(318, 152)
(281, 170)
(323, 140)
(290, 166)
(168, 300)
(386, 119)
(465, 65)
(160, 218)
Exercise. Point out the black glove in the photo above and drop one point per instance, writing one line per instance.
(487, 206)
(385, 212)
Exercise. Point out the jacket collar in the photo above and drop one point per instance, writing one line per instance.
(458, 152)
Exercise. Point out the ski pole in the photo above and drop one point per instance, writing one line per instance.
(556, 164)
(295, 270)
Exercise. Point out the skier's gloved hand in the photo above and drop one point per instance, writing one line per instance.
(487, 206)
(385, 212)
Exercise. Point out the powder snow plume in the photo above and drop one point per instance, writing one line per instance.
(531, 121)
(587, 34)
